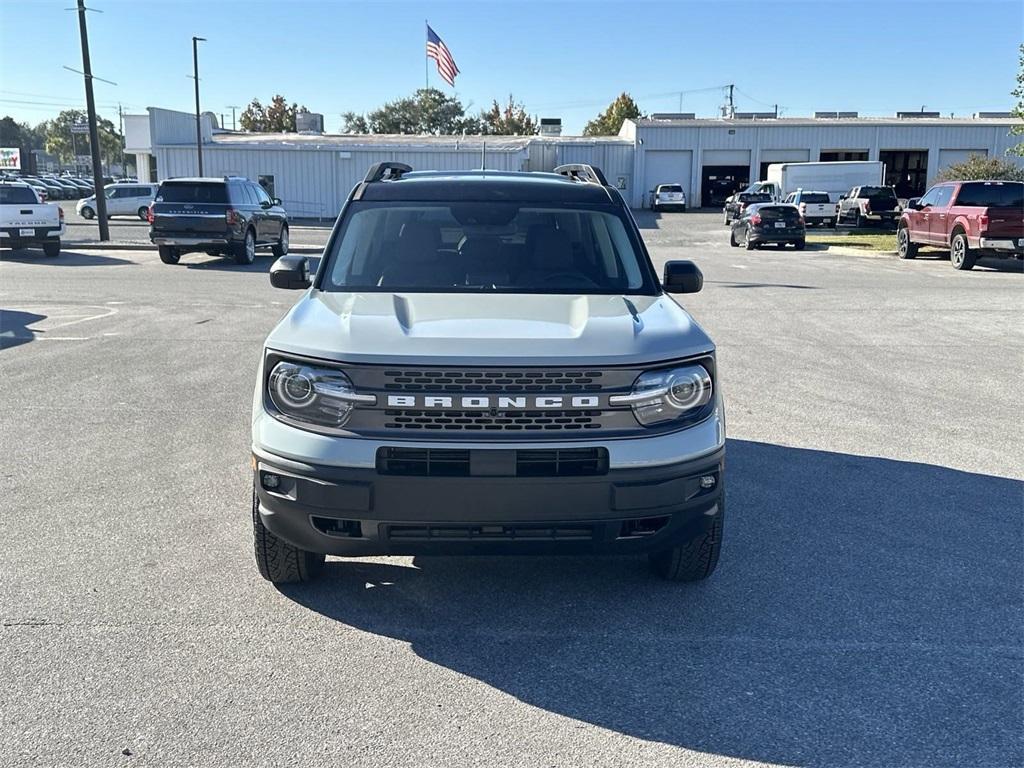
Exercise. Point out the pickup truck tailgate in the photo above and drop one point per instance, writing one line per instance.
(1003, 222)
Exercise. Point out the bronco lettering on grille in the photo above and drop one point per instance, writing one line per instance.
(485, 402)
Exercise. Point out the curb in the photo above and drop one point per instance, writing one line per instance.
(840, 250)
(108, 246)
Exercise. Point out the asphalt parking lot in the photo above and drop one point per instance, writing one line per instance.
(868, 608)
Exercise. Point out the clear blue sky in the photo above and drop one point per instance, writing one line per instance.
(563, 60)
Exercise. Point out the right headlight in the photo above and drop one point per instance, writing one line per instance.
(316, 395)
(667, 395)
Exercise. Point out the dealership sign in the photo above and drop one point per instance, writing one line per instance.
(10, 158)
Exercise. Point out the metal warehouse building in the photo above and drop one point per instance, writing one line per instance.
(313, 172)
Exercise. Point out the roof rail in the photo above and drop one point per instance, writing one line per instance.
(589, 174)
(386, 172)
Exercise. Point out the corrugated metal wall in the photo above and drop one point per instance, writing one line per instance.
(314, 182)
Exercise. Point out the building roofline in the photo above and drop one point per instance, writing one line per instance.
(829, 121)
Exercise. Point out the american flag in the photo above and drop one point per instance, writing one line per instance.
(438, 51)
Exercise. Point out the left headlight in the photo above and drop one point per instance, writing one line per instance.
(320, 396)
(674, 393)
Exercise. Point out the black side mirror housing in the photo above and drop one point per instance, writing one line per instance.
(682, 277)
(291, 272)
(914, 204)
(277, 201)
(266, 203)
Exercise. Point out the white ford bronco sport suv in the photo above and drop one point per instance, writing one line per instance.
(486, 362)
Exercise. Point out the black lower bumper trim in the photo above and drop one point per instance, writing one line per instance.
(347, 511)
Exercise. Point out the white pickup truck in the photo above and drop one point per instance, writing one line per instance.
(27, 222)
(815, 207)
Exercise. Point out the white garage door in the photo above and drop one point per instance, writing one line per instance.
(726, 157)
(948, 157)
(667, 166)
(785, 155)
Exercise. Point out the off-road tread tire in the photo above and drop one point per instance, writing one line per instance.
(694, 560)
(278, 561)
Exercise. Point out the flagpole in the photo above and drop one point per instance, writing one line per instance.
(426, 59)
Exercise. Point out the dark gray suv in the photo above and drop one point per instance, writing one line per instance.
(227, 216)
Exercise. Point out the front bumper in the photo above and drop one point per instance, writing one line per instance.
(359, 512)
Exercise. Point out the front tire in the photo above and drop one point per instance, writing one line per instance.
(281, 247)
(694, 560)
(960, 253)
(88, 213)
(169, 255)
(800, 244)
(51, 248)
(278, 561)
(143, 213)
(856, 220)
(245, 252)
(905, 249)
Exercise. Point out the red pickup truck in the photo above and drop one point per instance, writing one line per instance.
(971, 218)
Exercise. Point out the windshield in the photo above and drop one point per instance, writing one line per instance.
(988, 194)
(877, 192)
(17, 195)
(487, 247)
(192, 192)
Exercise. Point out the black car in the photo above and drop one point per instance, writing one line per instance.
(227, 216)
(777, 223)
(737, 204)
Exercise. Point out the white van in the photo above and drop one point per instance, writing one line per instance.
(122, 200)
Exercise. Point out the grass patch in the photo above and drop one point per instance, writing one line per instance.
(882, 241)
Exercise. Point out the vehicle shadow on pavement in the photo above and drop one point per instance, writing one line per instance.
(65, 259)
(262, 264)
(732, 284)
(14, 327)
(865, 612)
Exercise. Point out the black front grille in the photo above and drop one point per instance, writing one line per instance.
(477, 421)
(504, 381)
(456, 462)
(514, 532)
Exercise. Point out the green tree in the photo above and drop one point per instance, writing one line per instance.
(610, 121)
(508, 120)
(353, 123)
(427, 111)
(57, 137)
(276, 117)
(982, 167)
(1018, 110)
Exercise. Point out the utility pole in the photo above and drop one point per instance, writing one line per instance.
(233, 108)
(94, 134)
(120, 127)
(199, 130)
(732, 104)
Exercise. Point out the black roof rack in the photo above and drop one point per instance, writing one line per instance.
(386, 171)
(589, 174)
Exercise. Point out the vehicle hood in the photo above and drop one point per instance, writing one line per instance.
(494, 329)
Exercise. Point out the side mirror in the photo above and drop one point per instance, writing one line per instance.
(682, 277)
(914, 204)
(277, 201)
(842, 197)
(266, 204)
(290, 272)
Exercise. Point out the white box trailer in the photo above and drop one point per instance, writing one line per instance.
(836, 178)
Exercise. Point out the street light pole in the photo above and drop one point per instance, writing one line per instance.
(199, 130)
(94, 134)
